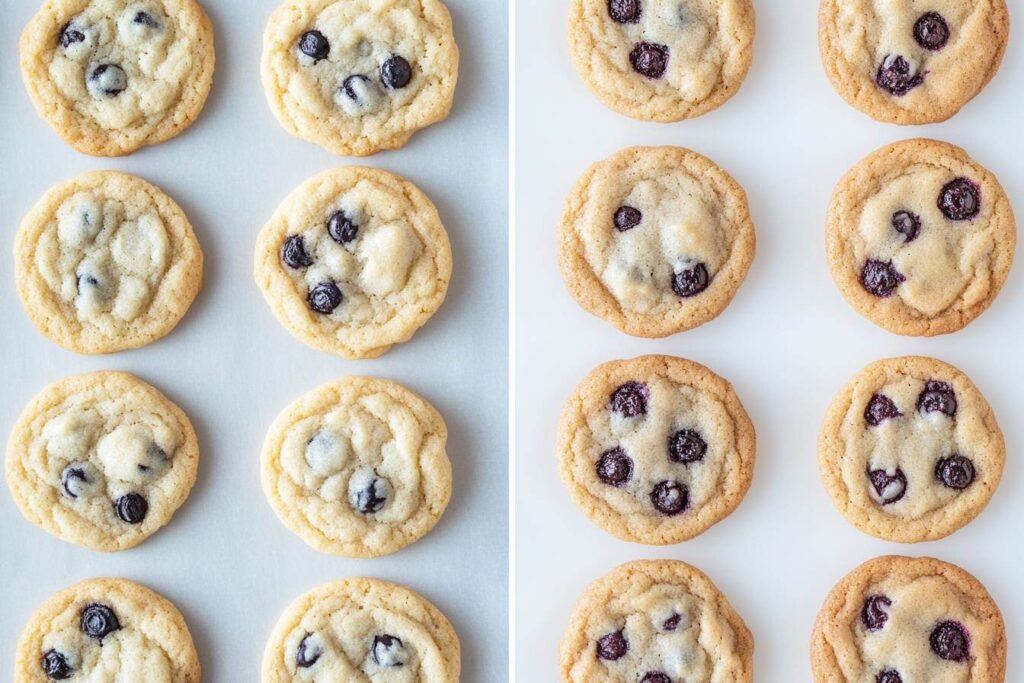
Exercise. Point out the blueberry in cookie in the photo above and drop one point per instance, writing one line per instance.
(920, 237)
(910, 450)
(655, 449)
(111, 76)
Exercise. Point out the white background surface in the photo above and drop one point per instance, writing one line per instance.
(788, 342)
(225, 560)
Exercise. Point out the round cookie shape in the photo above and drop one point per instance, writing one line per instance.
(101, 460)
(106, 262)
(910, 450)
(111, 76)
(896, 619)
(911, 63)
(920, 238)
(655, 240)
(101, 629)
(359, 76)
(655, 449)
(662, 60)
(354, 261)
(362, 629)
(358, 467)
(654, 621)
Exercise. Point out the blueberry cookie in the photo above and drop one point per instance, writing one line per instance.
(107, 630)
(902, 619)
(359, 76)
(362, 629)
(910, 450)
(106, 262)
(911, 62)
(358, 467)
(920, 238)
(662, 60)
(656, 449)
(656, 621)
(111, 76)
(354, 261)
(101, 460)
(655, 240)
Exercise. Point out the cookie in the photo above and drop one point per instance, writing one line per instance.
(662, 60)
(920, 238)
(359, 76)
(111, 76)
(101, 460)
(903, 619)
(358, 467)
(655, 240)
(354, 261)
(910, 450)
(362, 629)
(107, 629)
(106, 262)
(911, 63)
(656, 621)
(655, 449)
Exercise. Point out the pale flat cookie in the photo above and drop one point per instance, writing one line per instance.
(107, 630)
(656, 621)
(359, 76)
(354, 261)
(101, 460)
(655, 449)
(362, 630)
(358, 467)
(920, 238)
(111, 76)
(655, 240)
(910, 450)
(904, 620)
(911, 62)
(106, 262)
(662, 60)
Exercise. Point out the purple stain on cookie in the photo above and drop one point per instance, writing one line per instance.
(649, 59)
(907, 224)
(670, 498)
(627, 218)
(937, 397)
(951, 641)
(625, 11)
(880, 278)
(889, 488)
(630, 399)
(931, 31)
(960, 199)
(612, 646)
(874, 614)
(879, 409)
(895, 78)
(687, 446)
(955, 472)
(615, 467)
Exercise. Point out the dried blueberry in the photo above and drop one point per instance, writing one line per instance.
(145, 19)
(691, 280)
(670, 498)
(655, 677)
(396, 72)
(895, 78)
(309, 651)
(131, 508)
(367, 492)
(624, 11)
(97, 621)
(293, 253)
(324, 298)
(55, 666)
(907, 224)
(314, 45)
(672, 623)
(612, 646)
(649, 59)
(931, 31)
(880, 278)
(951, 642)
(686, 446)
(874, 613)
(351, 85)
(937, 397)
(889, 488)
(615, 468)
(630, 399)
(955, 472)
(389, 651)
(107, 79)
(889, 676)
(74, 480)
(341, 228)
(627, 218)
(880, 408)
(69, 35)
(960, 199)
